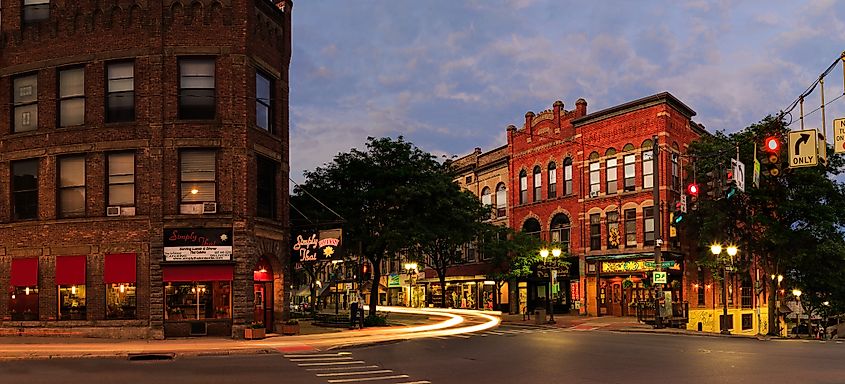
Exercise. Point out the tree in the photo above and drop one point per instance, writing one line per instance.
(377, 193)
(447, 218)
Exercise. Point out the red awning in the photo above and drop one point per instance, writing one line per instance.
(24, 272)
(70, 270)
(196, 273)
(120, 268)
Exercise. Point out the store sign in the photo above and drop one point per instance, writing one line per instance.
(198, 244)
(634, 266)
(313, 247)
(393, 281)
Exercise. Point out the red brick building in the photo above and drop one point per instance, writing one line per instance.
(143, 166)
(586, 181)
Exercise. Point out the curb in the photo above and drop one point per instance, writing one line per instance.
(682, 333)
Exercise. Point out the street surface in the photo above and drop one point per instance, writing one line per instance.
(507, 354)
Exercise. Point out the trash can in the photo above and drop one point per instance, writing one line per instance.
(539, 316)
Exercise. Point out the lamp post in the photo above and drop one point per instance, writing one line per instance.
(544, 253)
(797, 294)
(336, 286)
(716, 250)
(409, 269)
(779, 279)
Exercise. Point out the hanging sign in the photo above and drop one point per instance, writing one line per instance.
(198, 244)
(839, 135)
(803, 149)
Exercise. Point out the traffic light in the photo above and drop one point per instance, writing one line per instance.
(771, 144)
(712, 184)
(692, 190)
(678, 214)
(771, 156)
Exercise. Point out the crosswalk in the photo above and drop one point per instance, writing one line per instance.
(342, 367)
(502, 331)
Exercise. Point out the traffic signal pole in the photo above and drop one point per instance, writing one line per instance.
(658, 261)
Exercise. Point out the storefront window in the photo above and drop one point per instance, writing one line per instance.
(120, 301)
(198, 300)
(71, 302)
(24, 304)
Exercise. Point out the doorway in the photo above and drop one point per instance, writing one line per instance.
(263, 293)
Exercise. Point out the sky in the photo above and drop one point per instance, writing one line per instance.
(451, 75)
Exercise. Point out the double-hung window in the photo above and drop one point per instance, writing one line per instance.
(35, 10)
(120, 94)
(25, 99)
(567, 176)
(595, 179)
(121, 179)
(196, 88)
(266, 188)
(523, 187)
(71, 177)
(538, 183)
(648, 169)
(610, 173)
(630, 171)
(648, 226)
(676, 179)
(71, 97)
(595, 232)
(501, 200)
(613, 230)
(198, 175)
(25, 189)
(263, 101)
(630, 227)
(552, 180)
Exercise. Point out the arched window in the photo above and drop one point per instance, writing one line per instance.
(486, 198)
(610, 172)
(531, 227)
(567, 176)
(552, 180)
(648, 164)
(559, 230)
(538, 183)
(523, 187)
(501, 200)
(595, 176)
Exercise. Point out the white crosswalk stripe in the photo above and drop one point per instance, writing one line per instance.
(341, 367)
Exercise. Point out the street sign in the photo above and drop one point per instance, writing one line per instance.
(839, 135)
(664, 264)
(683, 203)
(755, 181)
(658, 277)
(739, 174)
(803, 149)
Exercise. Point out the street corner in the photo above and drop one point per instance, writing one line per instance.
(301, 348)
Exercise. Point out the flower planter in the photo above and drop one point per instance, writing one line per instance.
(254, 333)
(290, 329)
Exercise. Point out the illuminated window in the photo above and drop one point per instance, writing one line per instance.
(72, 302)
(198, 175)
(198, 300)
(613, 237)
(121, 302)
(71, 186)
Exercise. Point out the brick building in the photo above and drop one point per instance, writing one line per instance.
(585, 181)
(143, 166)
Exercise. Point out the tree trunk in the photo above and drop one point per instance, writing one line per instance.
(442, 278)
(774, 324)
(374, 290)
(313, 308)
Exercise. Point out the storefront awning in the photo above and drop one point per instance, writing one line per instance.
(24, 272)
(120, 268)
(173, 273)
(70, 270)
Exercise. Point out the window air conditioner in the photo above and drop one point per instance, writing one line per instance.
(594, 194)
(209, 207)
(113, 211)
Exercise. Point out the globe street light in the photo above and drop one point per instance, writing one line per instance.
(410, 269)
(716, 250)
(797, 293)
(544, 253)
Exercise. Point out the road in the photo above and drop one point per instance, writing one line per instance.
(502, 355)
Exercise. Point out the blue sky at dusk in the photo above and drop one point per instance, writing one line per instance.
(451, 75)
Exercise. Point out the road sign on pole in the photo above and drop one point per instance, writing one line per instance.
(658, 277)
(839, 135)
(803, 148)
(683, 203)
(755, 181)
(739, 174)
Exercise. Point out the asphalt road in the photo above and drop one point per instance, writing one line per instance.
(503, 355)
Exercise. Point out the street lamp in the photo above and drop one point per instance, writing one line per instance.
(544, 253)
(716, 250)
(409, 269)
(797, 293)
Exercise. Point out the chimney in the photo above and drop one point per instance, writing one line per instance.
(558, 108)
(580, 108)
(529, 118)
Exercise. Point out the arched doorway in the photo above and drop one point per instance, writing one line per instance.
(262, 277)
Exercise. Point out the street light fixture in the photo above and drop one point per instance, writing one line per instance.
(410, 268)
(544, 253)
(732, 250)
(797, 293)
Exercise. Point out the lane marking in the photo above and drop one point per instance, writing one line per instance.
(330, 363)
(494, 333)
(440, 337)
(416, 382)
(318, 355)
(368, 379)
(462, 336)
(340, 368)
(354, 373)
(323, 359)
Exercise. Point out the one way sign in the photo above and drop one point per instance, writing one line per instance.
(803, 148)
(839, 135)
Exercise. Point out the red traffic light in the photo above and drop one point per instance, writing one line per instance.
(692, 189)
(771, 144)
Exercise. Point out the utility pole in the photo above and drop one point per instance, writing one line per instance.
(658, 234)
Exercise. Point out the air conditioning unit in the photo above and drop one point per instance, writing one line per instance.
(113, 211)
(190, 209)
(209, 207)
(594, 193)
(127, 211)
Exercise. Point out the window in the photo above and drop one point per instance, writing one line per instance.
(630, 171)
(567, 176)
(729, 322)
(538, 183)
(24, 303)
(263, 101)
(486, 197)
(25, 189)
(523, 187)
(196, 88)
(701, 289)
(468, 180)
(121, 302)
(595, 232)
(120, 94)
(71, 97)
(552, 180)
(610, 173)
(470, 252)
(531, 227)
(747, 321)
(35, 10)
(560, 231)
(266, 206)
(501, 200)
(198, 176)
(25, 97)
(648, 226)
(595, 179)
(198, 300)
(72, 302)
(676, 179)
(630, 227)
(613, 237)
(121, 179)
(648, 169)
(746, 293)
(72, 186)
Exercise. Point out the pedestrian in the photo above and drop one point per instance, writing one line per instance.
(360, 309)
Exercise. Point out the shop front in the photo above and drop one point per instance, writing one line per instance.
(476, 294)
(616, 284)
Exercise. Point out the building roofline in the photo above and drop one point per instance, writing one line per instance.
(645, 102)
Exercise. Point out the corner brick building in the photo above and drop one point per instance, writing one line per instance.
(143, 166)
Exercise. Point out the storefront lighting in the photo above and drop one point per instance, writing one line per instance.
(13, 295)
(489, 282)
(122, 288)
(26, 290)
(707, 286)
(73, 289)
